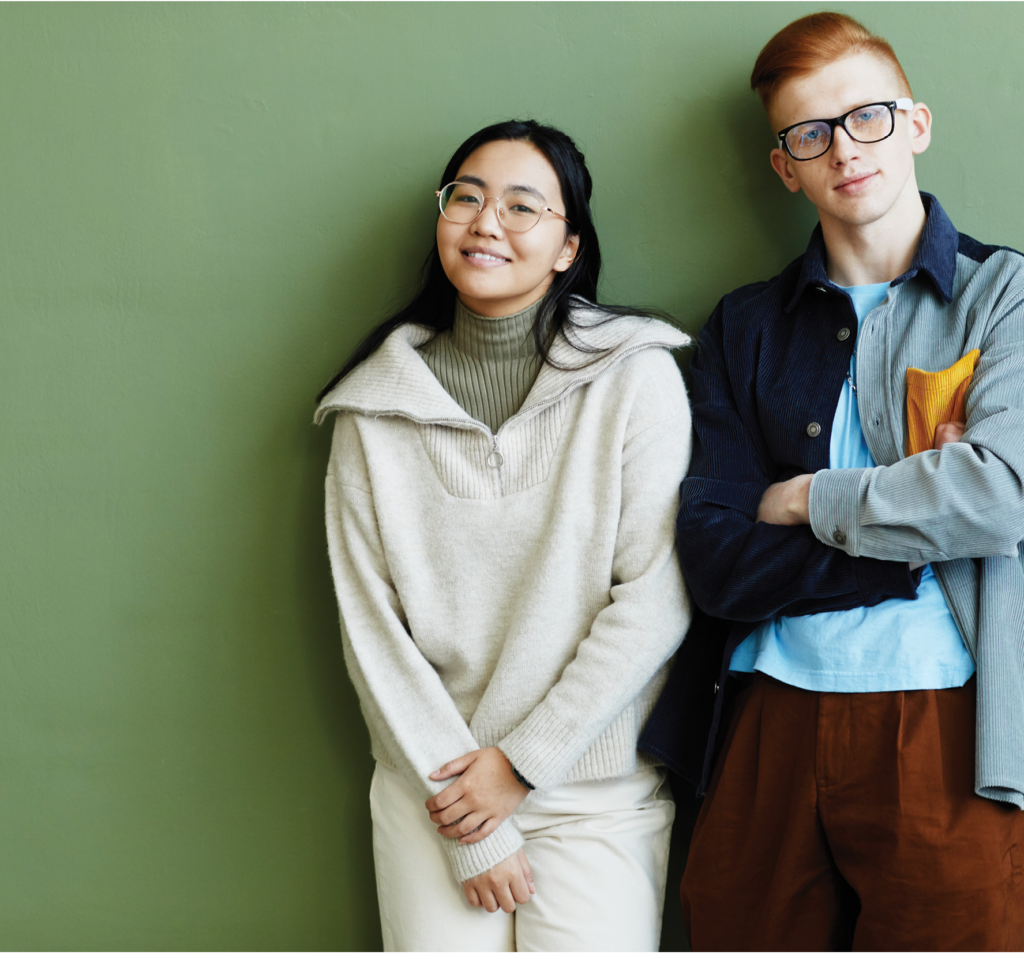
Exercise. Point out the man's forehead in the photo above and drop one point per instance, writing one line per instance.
(834, 89)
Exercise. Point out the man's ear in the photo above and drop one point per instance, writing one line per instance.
(920, 127)
(783, 165)
(568, 254)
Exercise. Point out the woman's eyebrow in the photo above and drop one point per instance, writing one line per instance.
(522, 188)
(514, 188)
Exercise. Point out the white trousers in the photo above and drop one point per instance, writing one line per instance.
(598, 850)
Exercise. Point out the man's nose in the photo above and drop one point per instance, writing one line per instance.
(844, 147)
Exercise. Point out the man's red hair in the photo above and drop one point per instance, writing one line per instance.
(812, 42)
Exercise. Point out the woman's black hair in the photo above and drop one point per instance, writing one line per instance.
(434, 305)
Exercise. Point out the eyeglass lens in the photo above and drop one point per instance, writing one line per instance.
(462, 203)
(865, 124)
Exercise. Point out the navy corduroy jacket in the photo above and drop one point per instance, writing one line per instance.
(767, 376)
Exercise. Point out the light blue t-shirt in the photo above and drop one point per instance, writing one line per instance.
(898, 644)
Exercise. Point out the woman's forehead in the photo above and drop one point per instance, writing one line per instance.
(508, 165)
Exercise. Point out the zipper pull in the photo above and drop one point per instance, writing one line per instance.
(494, 458)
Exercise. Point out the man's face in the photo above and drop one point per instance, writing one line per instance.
(853, 184)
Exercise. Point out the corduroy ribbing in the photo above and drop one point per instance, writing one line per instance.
(486, 364)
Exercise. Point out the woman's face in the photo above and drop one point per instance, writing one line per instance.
(498, 272)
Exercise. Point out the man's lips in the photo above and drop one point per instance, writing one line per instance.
(856, 183)
(479, 256)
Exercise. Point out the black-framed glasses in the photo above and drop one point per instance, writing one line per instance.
(867, 124)
(518, 211)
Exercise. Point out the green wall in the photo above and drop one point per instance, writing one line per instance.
(202, 209)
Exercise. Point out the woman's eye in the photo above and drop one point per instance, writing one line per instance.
(521, 208)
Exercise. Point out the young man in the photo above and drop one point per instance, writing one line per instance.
(862, 587)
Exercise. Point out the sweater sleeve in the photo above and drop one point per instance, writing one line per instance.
(400, 693)
(634, 635)
(964, 501)
(736, 567)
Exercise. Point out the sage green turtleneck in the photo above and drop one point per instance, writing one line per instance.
(486, 364)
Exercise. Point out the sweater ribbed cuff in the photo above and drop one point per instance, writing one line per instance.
(834, 507)
(544, 749)
(469, 860)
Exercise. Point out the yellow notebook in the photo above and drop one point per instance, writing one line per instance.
(934, 398)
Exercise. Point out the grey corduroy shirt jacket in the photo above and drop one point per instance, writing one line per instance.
(767, 376)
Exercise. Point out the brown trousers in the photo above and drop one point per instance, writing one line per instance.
(849, 820)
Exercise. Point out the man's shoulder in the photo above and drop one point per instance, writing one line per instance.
(986, 271)
(981, 252)
(762, 299)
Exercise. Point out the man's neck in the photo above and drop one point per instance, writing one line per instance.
(877, 252)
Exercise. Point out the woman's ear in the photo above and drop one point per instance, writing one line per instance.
(568, 254)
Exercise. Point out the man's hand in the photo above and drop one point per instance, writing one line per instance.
(485, 795)
(503, 885)
(786, 504)
(948, 433)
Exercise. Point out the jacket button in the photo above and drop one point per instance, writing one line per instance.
(716, 689)
(839, 536)
(843, 334)
(813, 429)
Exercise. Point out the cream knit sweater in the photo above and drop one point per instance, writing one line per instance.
(517, 589)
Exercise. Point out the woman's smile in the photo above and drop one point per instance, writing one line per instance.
(488, 259)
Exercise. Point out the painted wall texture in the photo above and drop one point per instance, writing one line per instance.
(202, 209)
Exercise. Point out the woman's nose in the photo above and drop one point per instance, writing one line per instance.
(488, 221)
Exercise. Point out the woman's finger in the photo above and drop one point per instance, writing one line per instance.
(505, 898)
(447, 796)
(454, 768)
(519, 888)
(488, 901)
(464, 826)
(452, 814)
(481, 831)
(527, 870)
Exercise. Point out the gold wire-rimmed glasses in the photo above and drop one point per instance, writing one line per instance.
(518, 210)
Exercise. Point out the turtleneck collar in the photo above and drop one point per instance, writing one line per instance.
(495, 337)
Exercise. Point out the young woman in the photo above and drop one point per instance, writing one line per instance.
(501, 503)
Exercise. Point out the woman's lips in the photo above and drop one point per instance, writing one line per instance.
(484, 258)
(855, 184)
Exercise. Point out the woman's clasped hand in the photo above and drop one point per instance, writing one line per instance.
(470, 809)
(485, 793)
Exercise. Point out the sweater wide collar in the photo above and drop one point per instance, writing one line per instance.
(395, 381)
